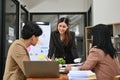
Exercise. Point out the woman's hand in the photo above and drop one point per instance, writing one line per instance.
(48, 59)
(68, 67)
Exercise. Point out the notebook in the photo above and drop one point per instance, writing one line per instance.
(41, 69)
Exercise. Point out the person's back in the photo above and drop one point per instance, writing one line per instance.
(12, 69)
(102, 58)
(106, 67)
(18, 53)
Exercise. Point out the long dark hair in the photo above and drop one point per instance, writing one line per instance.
(67, 33)
(102, 39)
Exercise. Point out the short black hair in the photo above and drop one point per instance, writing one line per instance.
(29, 29)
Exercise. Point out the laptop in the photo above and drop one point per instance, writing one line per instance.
(41, 69)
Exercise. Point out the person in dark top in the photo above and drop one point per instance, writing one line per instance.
(62, 42)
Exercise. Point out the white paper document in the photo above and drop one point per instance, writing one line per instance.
(81, 75)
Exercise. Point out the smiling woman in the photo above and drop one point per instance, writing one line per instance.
(76, 24)
(79, 16)
(62, 42)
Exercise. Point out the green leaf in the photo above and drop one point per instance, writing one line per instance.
(60, 60)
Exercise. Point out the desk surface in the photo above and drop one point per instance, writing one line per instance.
(65, 77)
(62, 77)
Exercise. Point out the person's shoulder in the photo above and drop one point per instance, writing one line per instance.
(71, 32)
(96, 50)
(16, 42)
(19, 41)
(54, 32)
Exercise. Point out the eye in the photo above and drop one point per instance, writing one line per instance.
(64, 27)
(59, 25)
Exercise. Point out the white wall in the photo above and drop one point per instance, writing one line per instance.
(57, 5)
(106, 11)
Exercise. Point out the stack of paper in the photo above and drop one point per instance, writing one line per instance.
(81, 75)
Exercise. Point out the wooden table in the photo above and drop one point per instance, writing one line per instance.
(62, 77)
(116, 77)
(65, 77)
